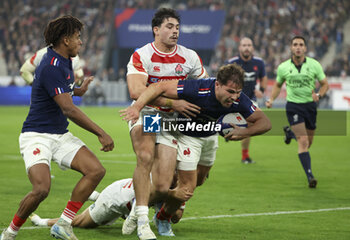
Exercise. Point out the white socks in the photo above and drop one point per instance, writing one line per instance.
(142, 214)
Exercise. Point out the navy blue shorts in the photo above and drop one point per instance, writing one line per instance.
(302, 112)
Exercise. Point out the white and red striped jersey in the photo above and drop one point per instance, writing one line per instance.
(36, 59)
(180, 64)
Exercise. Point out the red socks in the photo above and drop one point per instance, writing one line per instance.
(16, 224)
(71, 210)
(245, 153)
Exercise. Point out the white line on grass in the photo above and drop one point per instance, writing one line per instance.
(267, 213)
(246, 215)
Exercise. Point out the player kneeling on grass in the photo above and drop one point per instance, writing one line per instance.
(113, 202)
(197, 148)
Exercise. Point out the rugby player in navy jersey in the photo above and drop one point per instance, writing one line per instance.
(254, 69)
(45, 136)
(197, 149)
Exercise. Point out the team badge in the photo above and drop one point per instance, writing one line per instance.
(36, 151)
(179, 69)
(187, 152)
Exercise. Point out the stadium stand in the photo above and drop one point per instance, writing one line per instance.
(270, 23)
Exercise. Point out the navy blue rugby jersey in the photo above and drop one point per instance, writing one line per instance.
(202, 93)
(54, 75)
(253, 69)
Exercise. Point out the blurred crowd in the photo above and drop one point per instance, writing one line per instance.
(22, 23)
(270, 23)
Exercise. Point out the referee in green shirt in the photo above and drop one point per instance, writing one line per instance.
(300, 74)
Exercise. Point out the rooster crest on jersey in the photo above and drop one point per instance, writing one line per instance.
(179, 69)
(234, 118)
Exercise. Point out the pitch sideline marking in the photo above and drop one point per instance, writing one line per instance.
(268, 213)
(245, 215)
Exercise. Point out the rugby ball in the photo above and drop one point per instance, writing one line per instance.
(226, 119)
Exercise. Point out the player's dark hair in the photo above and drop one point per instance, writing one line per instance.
(162, 14)
(231, 72)
(298, 37)
(64, 26)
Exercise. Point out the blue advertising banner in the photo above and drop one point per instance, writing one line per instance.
(199, 29)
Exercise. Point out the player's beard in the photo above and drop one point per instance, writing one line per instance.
(246, 54)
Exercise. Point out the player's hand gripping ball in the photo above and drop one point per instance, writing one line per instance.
(226, 119)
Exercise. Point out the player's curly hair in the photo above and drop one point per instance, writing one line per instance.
(231, 72)
(64, 26)
(164, 13)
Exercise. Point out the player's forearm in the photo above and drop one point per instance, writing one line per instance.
(79, 118)
(260, 126)
(323, 90)
(263, 83)
(78, 92)
(151, 95)
(275, 92)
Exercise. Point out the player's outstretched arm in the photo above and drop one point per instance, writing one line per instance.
(168, 89)
(71, 111)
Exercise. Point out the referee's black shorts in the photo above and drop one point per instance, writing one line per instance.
(302, 112)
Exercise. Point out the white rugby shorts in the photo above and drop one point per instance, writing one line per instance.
(42, 147)
(193, 151)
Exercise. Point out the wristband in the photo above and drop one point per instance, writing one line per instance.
(168, 103)
(318, 95)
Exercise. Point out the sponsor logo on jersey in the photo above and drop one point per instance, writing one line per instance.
(249, 76)
(156, 69)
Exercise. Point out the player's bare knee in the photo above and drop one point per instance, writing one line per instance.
(303, 142)
(96, 172)
(99, 173)
(145, 159)
(40, 193)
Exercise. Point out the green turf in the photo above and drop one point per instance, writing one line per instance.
(275, 183)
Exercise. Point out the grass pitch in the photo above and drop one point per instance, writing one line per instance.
(266, 200)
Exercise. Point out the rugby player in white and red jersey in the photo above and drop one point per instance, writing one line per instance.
(28, 68)
(160, 60)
